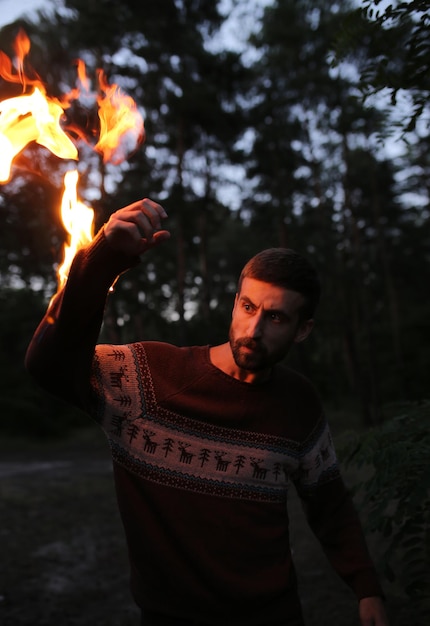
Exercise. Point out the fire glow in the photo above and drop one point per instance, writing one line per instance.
(36, 117)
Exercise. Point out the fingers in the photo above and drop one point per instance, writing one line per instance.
(372, 612)
(158, 237)
(136, 227)
(148, 216)
(145, 214)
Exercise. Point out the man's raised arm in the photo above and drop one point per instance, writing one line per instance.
(60, 354)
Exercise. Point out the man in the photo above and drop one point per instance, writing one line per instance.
(207, 440)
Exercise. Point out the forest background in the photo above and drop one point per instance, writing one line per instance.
(283, 123)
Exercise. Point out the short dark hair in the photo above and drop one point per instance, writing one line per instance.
(286, 268)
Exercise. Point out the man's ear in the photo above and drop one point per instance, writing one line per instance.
(303, 331)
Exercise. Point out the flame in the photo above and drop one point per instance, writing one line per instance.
(21, 48)
(78, 220)
(121, 125)
(29, 117)
(36, 117)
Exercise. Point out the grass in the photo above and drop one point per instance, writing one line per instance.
(63, 553)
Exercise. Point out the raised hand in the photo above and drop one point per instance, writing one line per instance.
(136, 227)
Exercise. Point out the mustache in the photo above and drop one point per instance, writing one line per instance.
(245, 342)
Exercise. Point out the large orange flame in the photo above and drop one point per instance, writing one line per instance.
(29, 117)
(36, 117)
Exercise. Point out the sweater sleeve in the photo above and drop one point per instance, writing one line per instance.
(60, 353)
(335, 522)
(332, 515)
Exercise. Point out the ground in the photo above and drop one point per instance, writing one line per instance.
(63, 554)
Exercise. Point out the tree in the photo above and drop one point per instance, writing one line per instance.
(192, 118)
(24, 409)
(392, 44)
(313, 137)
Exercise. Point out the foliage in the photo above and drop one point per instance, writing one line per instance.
(319, 187)
(396, 498)
(392, 46)
(24, 408)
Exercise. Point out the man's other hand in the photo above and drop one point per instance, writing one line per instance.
(372, 612)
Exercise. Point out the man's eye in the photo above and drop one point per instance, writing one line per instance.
(275, 317)
(247, 307)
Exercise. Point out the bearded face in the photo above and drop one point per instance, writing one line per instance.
(265, 324)
(253, 354)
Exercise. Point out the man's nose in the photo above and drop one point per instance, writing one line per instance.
(255, 328)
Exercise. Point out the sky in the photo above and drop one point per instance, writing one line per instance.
(10, 10)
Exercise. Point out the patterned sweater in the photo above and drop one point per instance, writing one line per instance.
(203, 463)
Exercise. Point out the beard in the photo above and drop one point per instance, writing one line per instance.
(252, 355)
(248, 354)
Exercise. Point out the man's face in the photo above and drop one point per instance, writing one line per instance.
(265, 324)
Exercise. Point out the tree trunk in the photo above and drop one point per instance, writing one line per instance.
(180, 236)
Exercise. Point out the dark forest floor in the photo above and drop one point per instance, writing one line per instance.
(63, 559)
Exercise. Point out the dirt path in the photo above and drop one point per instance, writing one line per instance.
(63, 554)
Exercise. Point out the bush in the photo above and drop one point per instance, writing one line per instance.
(24, 408)
(394, 463)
